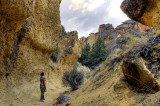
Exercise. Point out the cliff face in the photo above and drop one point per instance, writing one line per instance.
(68, 50)
(29, 32)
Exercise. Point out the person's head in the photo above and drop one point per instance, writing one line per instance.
(42, 74)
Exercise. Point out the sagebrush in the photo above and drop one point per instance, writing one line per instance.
(73, 79)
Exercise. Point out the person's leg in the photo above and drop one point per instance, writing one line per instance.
(42, 93)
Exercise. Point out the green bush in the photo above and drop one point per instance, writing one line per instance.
(104, 63)
(75, 66)
(73, 79)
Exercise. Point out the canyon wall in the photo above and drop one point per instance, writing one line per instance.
(29, 32)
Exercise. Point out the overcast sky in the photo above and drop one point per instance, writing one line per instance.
(85, 16)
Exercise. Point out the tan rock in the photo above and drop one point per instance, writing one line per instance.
(106, 31)
(91, 39)
(144, 27)
(137, 74)
(69, 50)
(144, 11)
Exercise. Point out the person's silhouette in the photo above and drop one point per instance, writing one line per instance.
(42, 86)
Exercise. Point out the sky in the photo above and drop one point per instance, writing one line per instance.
(85, 16)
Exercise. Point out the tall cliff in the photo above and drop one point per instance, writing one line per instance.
(29, 32)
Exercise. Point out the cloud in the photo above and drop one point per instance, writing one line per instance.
(85, 16)
(86, 5)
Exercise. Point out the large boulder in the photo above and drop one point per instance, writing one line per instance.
(144, 11)
(137, 74)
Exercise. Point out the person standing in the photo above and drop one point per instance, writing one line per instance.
(42, 86)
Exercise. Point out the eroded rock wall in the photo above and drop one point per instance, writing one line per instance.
(68, 50)
(29, 32)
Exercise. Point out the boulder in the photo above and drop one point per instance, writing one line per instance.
(137, 74)
(144, 11)
(63, 99)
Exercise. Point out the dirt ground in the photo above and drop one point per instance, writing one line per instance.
(106, 88)
(28, 94)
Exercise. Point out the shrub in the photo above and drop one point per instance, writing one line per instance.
(104, 63)
(75, 66)
(73, 79)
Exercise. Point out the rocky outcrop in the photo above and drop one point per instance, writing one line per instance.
(144, 11)
(134, 9)
(109, 33)
(91, 39)
(137, 74)
(134, 28)
(106, 31)
(141, 66)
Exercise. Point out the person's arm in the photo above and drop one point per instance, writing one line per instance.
(44, 82)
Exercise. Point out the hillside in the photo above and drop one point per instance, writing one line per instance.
(131, 76)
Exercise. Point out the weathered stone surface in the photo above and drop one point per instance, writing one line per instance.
(69, 50)
(134, 8)
(144, 27)
(137, 74)
(62, 99)
(134, 28)
(141, 65)
(106, 31)
(144, 11)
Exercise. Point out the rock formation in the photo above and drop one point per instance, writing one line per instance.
(67, 52)
(109, 33)
(133, 28)
(144, 11)
(140, 11)
(106, 31)
(137, 74)
(29, 32)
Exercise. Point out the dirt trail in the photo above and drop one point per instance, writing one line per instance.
(29, 94)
